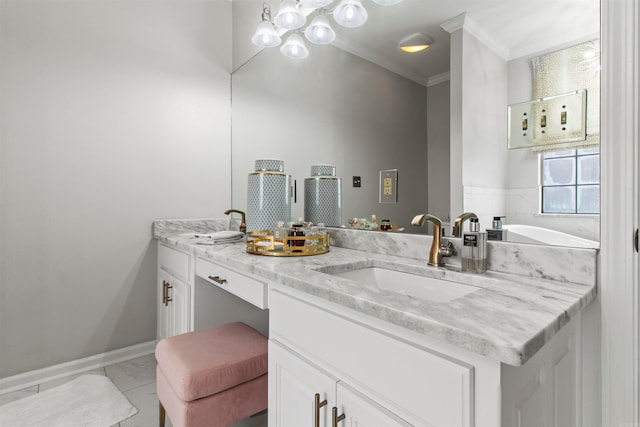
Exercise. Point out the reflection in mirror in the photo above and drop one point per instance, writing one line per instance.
(447, 138)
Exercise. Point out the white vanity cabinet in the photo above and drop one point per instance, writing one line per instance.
(309, 396)
(378, 374)
(175, 287)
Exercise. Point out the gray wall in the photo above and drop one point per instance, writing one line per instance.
(112, 114)
(438, 153)
(332, 107)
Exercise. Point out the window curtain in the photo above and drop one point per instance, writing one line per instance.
(568, 70)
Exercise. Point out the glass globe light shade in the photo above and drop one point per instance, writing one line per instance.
(265, 35)
(316, 4)
(350, 13)
(289, 16)
(294, 47)
(320, 31)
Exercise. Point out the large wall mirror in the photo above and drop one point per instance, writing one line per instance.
(439, 117)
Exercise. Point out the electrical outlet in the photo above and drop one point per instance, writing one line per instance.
(389, 186)
(357, 182)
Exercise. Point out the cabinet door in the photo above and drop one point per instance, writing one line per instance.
(164, 312)
(174, 305)
(180, 307)
(360, 411)
(293, 385)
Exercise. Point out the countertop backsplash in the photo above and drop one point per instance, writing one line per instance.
(563, 264)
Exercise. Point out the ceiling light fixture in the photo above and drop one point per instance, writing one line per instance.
(320, 31)
(350, 13)
(294, 47)
(316, 4)
(415, 43)
(290, 16)
(266, 35)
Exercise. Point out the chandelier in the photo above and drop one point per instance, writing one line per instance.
(292, 16)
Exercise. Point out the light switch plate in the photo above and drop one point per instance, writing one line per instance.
(389, 186)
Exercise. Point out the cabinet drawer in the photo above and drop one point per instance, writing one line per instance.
(175, 262)
(241, 285)
(412, 381)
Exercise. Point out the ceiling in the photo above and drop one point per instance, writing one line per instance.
(512, 28)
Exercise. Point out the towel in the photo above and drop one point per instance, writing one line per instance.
(218, 238)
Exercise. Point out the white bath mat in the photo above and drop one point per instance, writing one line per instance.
(87, 401)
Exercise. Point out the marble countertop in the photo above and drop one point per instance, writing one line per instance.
(509, 318)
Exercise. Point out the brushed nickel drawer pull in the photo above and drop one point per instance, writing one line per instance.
(317, 407)
(217, 279)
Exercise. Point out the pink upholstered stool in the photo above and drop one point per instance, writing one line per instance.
(212, 377)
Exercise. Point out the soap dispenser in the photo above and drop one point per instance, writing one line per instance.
(474, 249)
(496, 232)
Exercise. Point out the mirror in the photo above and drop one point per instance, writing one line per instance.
(369, 113)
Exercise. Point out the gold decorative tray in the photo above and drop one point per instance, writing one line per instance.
(261, 242)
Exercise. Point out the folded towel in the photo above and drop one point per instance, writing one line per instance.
(219, 237)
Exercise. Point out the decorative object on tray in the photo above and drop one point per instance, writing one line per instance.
(268, 195)
(310, 241)
(323, 196)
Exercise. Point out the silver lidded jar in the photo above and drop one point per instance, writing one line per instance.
(268, 195)
(323, 196)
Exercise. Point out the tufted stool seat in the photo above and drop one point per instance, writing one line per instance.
(212, 377)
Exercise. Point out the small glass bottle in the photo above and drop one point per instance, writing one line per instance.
(295, 231)
(280, 232)
(386, 225)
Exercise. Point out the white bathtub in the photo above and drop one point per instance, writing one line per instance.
(532, 234)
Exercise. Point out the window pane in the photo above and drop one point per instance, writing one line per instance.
(583, 151)
(559, 200)
(589, 199)
(563, 153)
(589, 169)
(559, 171)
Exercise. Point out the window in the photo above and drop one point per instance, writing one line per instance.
(571, 181)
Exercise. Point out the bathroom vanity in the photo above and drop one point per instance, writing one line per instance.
(506, 348)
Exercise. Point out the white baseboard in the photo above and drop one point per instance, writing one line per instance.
(39, 376)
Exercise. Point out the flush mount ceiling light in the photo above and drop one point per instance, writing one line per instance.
(415, 43)
(350, 13)
(289, 16)
(320, 31)
(266, 35)
(292, 15)
(294, 47)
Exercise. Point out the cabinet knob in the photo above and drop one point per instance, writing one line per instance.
(218, 279)
(335, 417)
(317, 407)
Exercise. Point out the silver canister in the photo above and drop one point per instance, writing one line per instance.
(268, 195)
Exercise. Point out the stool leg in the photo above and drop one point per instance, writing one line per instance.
(162, 414)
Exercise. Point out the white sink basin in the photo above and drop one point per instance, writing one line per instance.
(423, 287)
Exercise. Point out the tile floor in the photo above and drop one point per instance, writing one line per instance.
(136, 379)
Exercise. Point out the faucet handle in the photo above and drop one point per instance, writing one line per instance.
(448, 249)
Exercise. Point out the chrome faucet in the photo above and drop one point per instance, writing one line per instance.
(457, 226)
(438, 249)
(243, 223)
